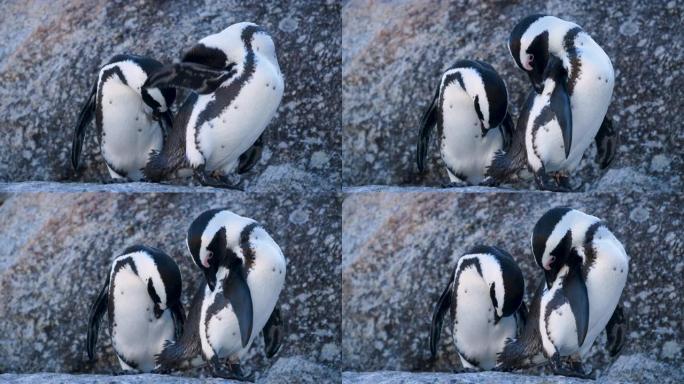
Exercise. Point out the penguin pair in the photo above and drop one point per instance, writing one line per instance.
(235, 87)
(573, 81)
(585, 270)
(244, 273)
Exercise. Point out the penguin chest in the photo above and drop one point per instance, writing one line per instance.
(605, 281)
(476, 336)
(221, 138)
(557, 323)
(137, 335)
(464, 150)
(128, 132)
(591, 96)
(543, 137)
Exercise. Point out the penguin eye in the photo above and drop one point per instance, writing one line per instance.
(552, 259)
(530, 58)
(210, 254)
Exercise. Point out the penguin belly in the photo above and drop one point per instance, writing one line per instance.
(605, 281)
(129, 133)
(590, 98)
(137, 335)
(222, 139)
(464, 151)
(557, 327)
(543, 137)
(478, 340)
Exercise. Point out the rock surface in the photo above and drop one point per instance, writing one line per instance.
(52, 51)
(295, 370)
(393, 56)
(627, 369)
(399, 248)
(57, 247)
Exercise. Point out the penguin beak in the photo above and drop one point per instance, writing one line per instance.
(193, 76)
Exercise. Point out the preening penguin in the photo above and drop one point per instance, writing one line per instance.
(236, 87)
(585, 270)
(470, 110)
(131, 118)
(485, 297)
(245, 272)
(588, 82)
(141, 294)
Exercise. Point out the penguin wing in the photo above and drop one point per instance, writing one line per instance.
(575, 291)
(507, 130)
(251, 156)
(273, 333)
(79, 133)
(426, 124)
(607, 140)
(178, 317)
(615, 331)
(96, 311)
(236, 290)
(443, 305)
(560, 105)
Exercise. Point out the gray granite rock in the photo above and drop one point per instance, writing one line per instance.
(627, 369)
(394, 53)
(400, 247)
(52, 51)
(57, 247)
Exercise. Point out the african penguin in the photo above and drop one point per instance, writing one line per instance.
(245, 272)
(141, 294)
(585, 270)
(470, 110)
(236, 87)
(485, 297)
(131, 117)
(588, 82)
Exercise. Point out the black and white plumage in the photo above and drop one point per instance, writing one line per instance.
(585, 270)
(236, 87)
(131, 118)
(485, 298)
(470, 110)
(245, 272)
(141, 295)
(588, 82)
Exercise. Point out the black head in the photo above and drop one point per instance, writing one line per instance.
(531, 53)
(551, 244)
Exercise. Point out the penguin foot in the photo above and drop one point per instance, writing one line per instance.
(576, 369)
(455, 184)
(546, 183)
(231, 372)
(216, 181)
(465, 370)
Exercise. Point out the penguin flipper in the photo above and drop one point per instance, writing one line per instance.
(616, 330)
(575, 290)
(273, 333)
(560, 101)
(507, 130)
(178, 317)
(97, 310)
(427, 122)
(79, 133)
(237, 292)
(607, 140)
(251, 156)
(443, 305)
(196, 77)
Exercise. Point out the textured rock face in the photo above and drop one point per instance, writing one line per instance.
(52, 51)
(399, 249)
(627, 369)
(394, 54)
(56, 249)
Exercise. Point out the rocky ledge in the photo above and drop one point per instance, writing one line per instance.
(627, 369)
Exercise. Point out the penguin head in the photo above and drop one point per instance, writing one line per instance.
(157, 101)
(552, 242)
(528, 43)
(237, 40)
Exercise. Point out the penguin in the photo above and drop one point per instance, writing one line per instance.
(244, 273)
(585, 269)
(141, 295)
(131, 118)
(470, 110)
(485, 297)
(589, 82)
(236, 86)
